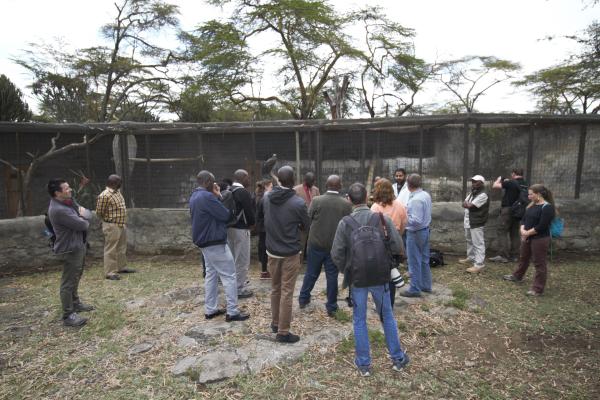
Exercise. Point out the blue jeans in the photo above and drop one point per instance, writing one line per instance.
(381, 297)
(417, 249)
(219, 265)
(315, 258)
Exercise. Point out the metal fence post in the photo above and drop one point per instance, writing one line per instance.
(580, 157)
(477, 147)
(421, 150)
(530, 153)
(148, 172)
(363, 152)
(465, 170)
(123, 144)
(318, 156)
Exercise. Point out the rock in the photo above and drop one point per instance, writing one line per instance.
(220, 365)
(179, 296)
(211, 330)
(185, 365)
(134, 304)
(140, 348)
(186, 341)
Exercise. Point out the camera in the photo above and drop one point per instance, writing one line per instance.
(396, 278)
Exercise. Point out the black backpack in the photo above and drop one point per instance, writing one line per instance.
(436, 258)
(517, 209)
(49, 231)
(230, 203)
(371, 261)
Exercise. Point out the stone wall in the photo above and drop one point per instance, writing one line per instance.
(167, 231)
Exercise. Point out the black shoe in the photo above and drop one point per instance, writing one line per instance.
(83, 307)
(408, 293)
(220, 311)
(245, 294)
(237, 317)
(127, 271)
(113, 277)
(289, 338)
(74, 320)
(303, 305)
(274, 328)
(349, 301)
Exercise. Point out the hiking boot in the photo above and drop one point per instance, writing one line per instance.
(113, 277)
(80, 307)
(289, 338)
(533, 293)
(237, 317)
(274, 328)
(511, 278)
(245, 294)
(127, 271)
(220, 311)
(475, 269)
(265, 275)
(499, 259)
(364, 371)
(74, 320)
(399, 364)
(465, 261)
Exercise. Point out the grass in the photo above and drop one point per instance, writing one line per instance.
(510, 346)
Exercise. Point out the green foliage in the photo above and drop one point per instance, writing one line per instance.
(572, 86)
(461, 295)
(470, 77)
(12, 106)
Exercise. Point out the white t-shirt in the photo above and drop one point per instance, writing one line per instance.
(402, 194)
(480, 200)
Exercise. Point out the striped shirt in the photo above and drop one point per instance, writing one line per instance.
(111, 207)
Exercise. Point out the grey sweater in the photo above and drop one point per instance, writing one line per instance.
(68, 225)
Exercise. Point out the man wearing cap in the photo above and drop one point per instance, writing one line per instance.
(476, 205)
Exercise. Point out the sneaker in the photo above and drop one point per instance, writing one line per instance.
(220, 311)
(465, 261)
(74, 320)
(533, 293)
(289, 338)
(511, 278)
(265, 275)
(499, 259)
(399, 282)
(245, 294)
(274, 328)
(237, 317)
(399, 364)
(113, 277)
(408, 293)
(303, 305)
(475, 269)
(80, 307)
(364, 371)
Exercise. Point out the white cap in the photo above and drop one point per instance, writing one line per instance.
(478, 178)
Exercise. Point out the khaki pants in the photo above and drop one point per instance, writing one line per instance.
(115, 247)
(284, 272)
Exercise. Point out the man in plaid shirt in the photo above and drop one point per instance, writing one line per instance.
(111, 209)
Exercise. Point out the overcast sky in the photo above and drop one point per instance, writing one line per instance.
(508, 29)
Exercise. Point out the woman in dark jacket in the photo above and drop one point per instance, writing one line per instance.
(535, 238)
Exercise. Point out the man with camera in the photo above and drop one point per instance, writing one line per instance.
(209, 233)
(360, 252)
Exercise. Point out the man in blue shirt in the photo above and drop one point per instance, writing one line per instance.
(209, 232)
(417, 238)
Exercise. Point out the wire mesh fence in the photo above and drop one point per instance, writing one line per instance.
(159, 165)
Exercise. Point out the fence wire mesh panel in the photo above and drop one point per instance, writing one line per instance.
(159, 166)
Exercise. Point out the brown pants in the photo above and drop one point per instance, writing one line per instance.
(508, 234)
(115, 247)
(284, 272)
(536, 251)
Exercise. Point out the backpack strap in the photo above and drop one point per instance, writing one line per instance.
(352, 222)
(384, 226)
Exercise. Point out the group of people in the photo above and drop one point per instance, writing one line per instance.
(526, 214)
(338, 233)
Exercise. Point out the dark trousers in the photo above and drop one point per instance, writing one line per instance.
(534, 250)
(69, 283)
(508, 234)
(262, 251)
(315, 259)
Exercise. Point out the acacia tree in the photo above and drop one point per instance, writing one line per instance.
(308, 42)
(470, 77)
(95, 82)
(12, 106)
(574, 85)
(391, 73)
